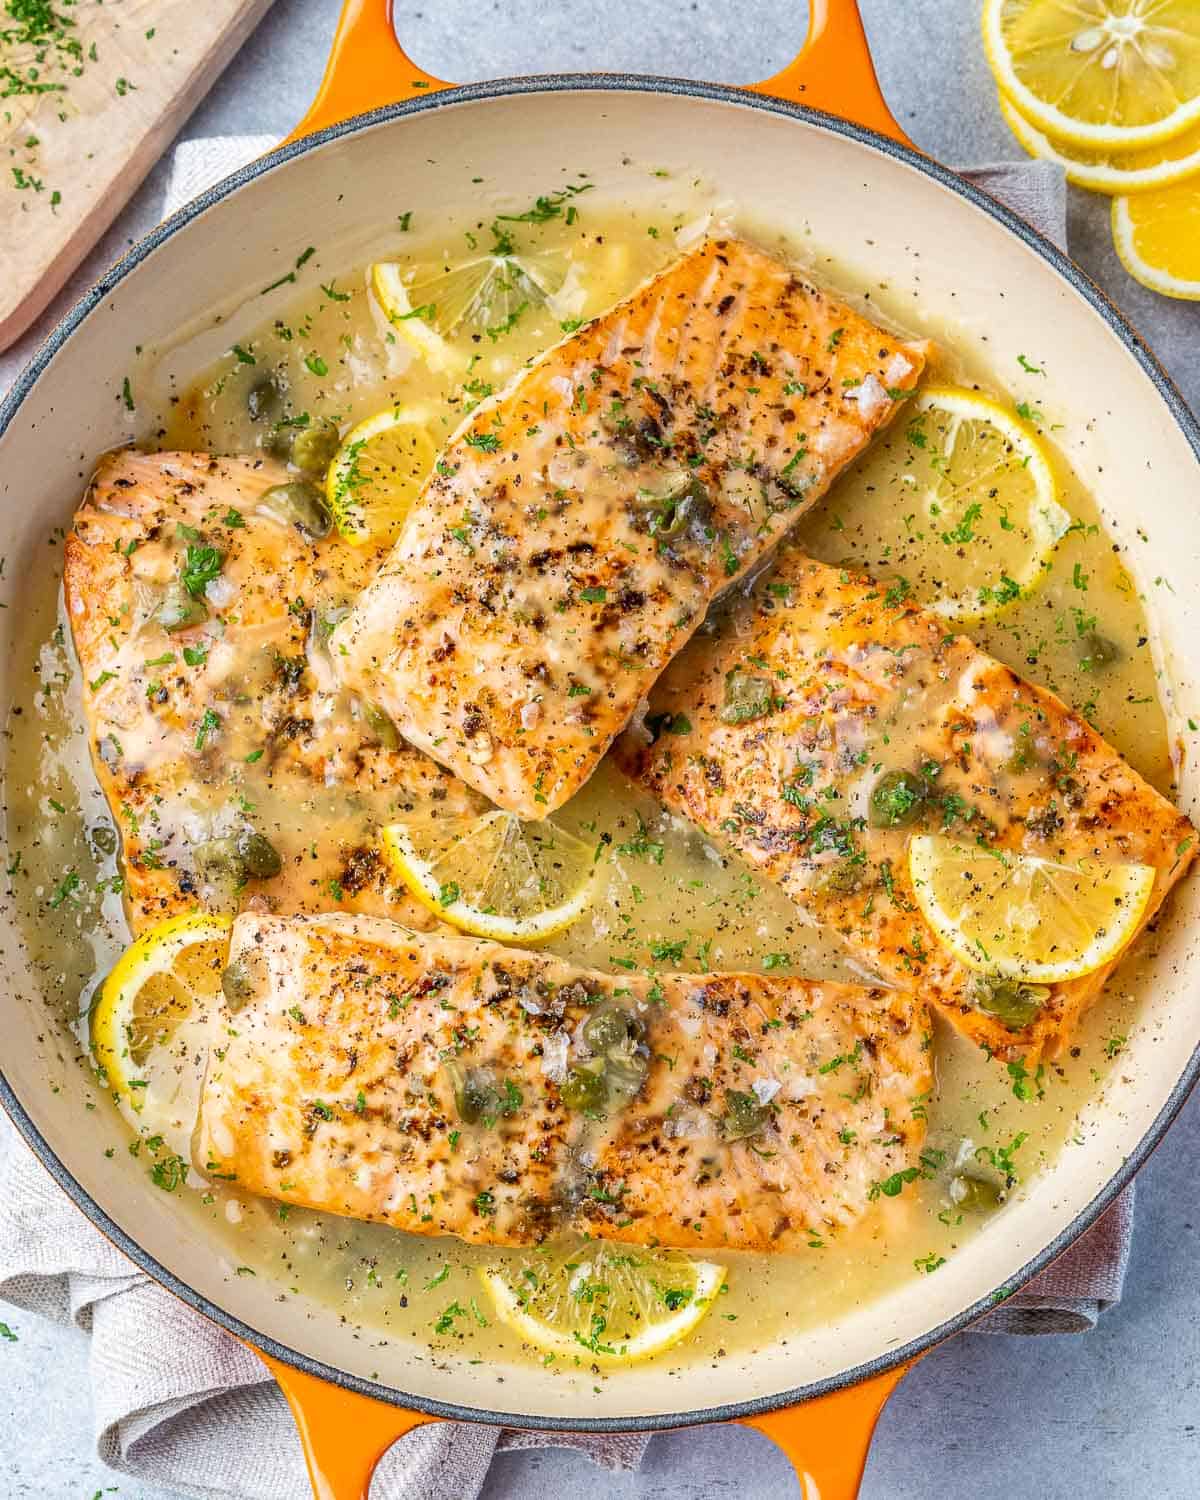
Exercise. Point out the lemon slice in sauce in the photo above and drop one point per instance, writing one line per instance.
(603, 1304)
(152, 1019)
(1024, 918)
(378, 471)
(492, 874)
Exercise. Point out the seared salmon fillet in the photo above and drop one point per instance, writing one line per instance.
(580, 522)
(827, 700)
(223, 745)
(451, 1086)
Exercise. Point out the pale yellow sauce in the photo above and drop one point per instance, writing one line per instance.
(380, 1277)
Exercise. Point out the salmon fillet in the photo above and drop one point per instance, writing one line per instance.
(235, 726)
(431, 1083)
(773, 735)
(580, 522)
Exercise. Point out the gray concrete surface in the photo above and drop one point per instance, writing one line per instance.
(1113, 1414)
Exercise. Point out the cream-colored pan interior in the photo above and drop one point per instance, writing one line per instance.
(950, 266)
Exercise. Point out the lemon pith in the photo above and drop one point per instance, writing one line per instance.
(378, 471)
(1026, 918)
(493, 875)
(604, 1304)
(1098, 72)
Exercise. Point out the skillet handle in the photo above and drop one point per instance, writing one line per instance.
(827, 1440)
(368, 68)
(833, 71)
(343, 1434)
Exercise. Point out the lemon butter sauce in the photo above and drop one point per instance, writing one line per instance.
(666, 898)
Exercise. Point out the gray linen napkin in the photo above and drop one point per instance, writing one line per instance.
(204, 1418)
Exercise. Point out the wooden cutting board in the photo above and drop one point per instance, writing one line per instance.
(91, 94)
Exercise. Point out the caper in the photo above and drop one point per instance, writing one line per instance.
(585, 1090)
(651, 501)
(475, 1092)
(245, 855)
(682, 510)
(975, 1194)
(313, 447)
(1097, 650)
(1009, 1000)
(637, 442)
(381, 727)
(746, 697)
(218, 857)
(608, 1028)
(104, 838)
(698, 513)
(744, 1116)
(237, 984)
(679, 511)
(279, 443)
(262, 401)
(257, 855)
(298, 503)
(842, 878)
(897, 799)
(625, 1072)
(179, 611)
(479, 1098)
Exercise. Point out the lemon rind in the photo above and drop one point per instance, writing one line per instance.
(409, 867)
(414, 414)
(958, 609)
(141, 961)
(1151, 277)
(1100, 954)
(1110, 181)
(651, 1341)
(391, 295)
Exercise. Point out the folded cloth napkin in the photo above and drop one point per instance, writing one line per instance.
(204, 1418)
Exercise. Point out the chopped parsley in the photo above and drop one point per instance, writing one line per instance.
(641, 846)
(201, 565)
(169, 1173)
(210, 724)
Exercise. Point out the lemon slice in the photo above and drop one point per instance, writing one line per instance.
(1105, 169)
(1157, 236)
(1024, 918)
(1120, 73)
(971, 513)
(148, 1017)
(492, 874)
(483, 297)
(603, 1304)
(377, 472)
